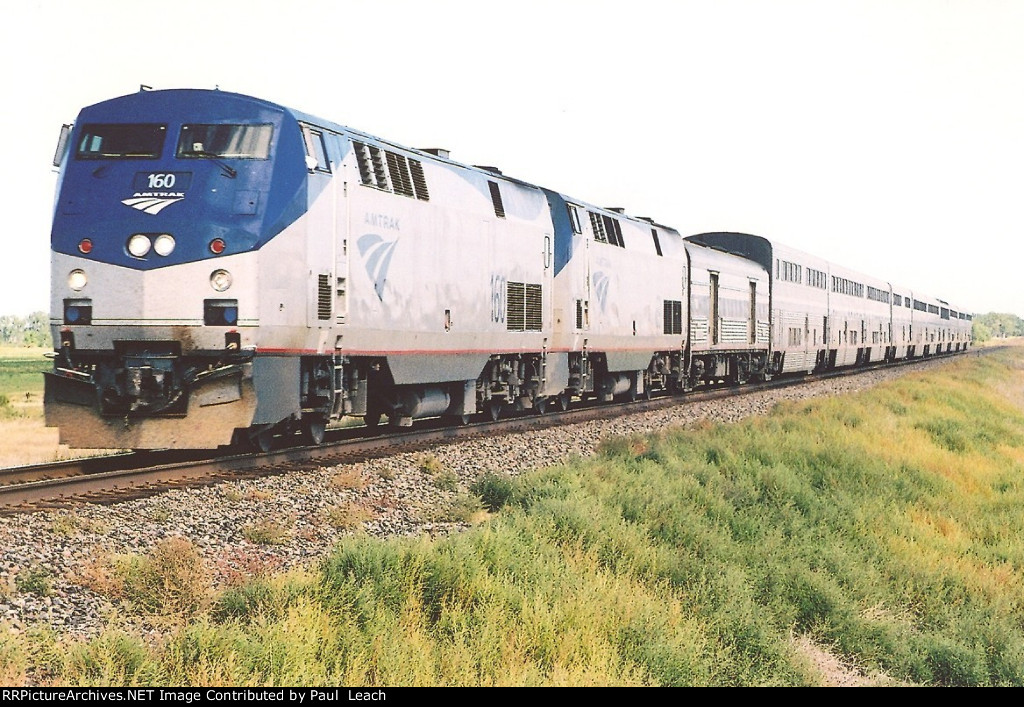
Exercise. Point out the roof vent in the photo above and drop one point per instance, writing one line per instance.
(616, 209)
(648, 219)
(493, 170)
(437, 152)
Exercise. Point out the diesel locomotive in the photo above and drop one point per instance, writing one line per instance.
(228, 270)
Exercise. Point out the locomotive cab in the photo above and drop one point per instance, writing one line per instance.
(163, 201)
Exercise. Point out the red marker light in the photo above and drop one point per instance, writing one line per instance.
(217, 246)
(85, 246)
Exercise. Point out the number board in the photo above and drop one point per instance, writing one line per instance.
(162, 181)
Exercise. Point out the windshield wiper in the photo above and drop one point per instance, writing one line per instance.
(228, 170)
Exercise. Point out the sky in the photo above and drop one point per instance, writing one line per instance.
(883, 135)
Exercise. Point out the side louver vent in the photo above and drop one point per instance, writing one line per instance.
(390, 171)
(499, 207)
(673, 317)
(516, 320)
(323, 299)
(363, 160)
(534, 308)
(606, 229)
(582, 314)
(419, 181)
(598, 227)
(401, 180)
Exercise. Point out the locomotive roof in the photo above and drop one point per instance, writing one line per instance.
(174, 98)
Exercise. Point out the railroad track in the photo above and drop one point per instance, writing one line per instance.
(129, 475)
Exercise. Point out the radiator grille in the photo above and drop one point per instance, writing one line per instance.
(525, 307)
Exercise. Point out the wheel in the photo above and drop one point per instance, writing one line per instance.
(313, 430)
(372, 419)
(240, 440)
(562, 402)
(541, 405)
(494, 410)
(262, 440)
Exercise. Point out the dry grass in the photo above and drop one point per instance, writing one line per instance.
(345, 516)
(349, 480)
(839, 671)
(238, 566)
(71, 525)
(232, 494)
(267, 532)
(172, 579)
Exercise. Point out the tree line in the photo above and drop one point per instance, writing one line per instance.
(33, 330)
(995, 325)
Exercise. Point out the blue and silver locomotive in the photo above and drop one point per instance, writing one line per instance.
(225, 269)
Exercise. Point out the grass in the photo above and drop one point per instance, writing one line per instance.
(34, 580)
(884, 524)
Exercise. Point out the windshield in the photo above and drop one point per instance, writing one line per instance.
(226, 141)
(121, 141)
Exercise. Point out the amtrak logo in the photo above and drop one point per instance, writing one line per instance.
(601, 288)
(153, 202)
(377, 252)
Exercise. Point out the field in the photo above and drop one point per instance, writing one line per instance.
(24, 437)
(882, 526)
(21, 379)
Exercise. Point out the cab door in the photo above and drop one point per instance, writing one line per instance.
(321, 229)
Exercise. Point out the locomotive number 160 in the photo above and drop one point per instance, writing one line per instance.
(162, 181)
(499, 295)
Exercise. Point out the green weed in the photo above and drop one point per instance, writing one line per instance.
(883, 524)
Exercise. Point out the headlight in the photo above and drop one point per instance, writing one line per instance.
(164, 244)
(139, 245)
(77, 280)
(220, 280)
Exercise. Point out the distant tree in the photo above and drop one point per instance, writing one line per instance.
(995, 324)
(33, 330)
(980, 331)
(37, 329)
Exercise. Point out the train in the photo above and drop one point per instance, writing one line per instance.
(230, 271)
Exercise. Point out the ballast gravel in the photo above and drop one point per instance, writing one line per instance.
(274, 523)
